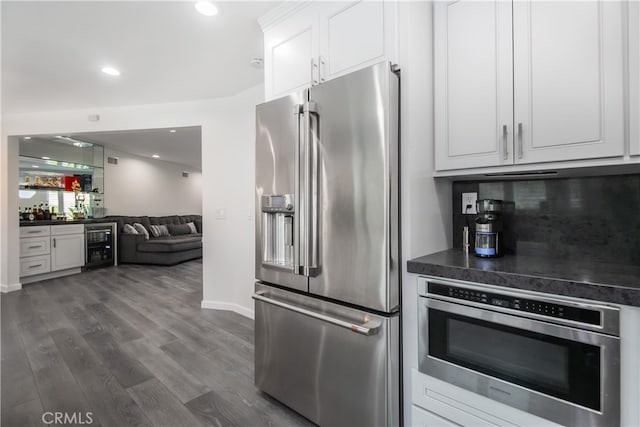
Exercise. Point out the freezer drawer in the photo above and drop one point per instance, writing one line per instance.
(335, 365)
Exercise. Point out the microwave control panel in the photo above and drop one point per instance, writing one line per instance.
(544, 308)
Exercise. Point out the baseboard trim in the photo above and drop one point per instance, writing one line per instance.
(50, 275)
(10, 288)
(219, 305)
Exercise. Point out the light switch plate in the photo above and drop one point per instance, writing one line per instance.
(221, 213)
(469, 199)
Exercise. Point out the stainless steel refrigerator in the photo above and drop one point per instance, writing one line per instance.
(327, 300)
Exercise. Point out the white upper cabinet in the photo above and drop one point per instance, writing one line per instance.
(473, 85)
(356, 34)
(568, 80)
(558, 98)
(634, 76)
(308, 43)
(291, 47)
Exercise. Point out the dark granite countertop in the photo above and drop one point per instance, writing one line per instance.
(614, 283)
(62, 222)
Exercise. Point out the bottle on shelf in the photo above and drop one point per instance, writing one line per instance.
(47, 212)
(32, 213)
(40, 213)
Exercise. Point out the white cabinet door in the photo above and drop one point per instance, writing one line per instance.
(568, 80)
(634, 76)
(33, 265)
(67, 251)
(31, 246)
(356, 34)
(290, 51)
(473, 84)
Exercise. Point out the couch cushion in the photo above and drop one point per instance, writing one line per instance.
(164, 220)
(128, 229)
(159, 230)
(171, 243)
(122, 220)
(180, 229)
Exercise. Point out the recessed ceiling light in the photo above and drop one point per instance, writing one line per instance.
(27, 137)
(206, 8)
(111, 71)
(155, 156)
(172, 131)
(46, 158)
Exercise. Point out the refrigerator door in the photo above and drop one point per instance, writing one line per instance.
(334, 365)
(277, 192)
(354, 144)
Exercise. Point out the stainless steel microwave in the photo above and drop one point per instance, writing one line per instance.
(552, 357)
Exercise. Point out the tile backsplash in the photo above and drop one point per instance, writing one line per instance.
(592, 218)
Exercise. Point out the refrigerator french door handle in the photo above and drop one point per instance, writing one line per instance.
(311, 190)
(371, 327)
(297, 266)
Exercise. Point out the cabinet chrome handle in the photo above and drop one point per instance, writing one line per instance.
(505, 153)
(520, 150)
(34, 232)
(314, 66)
(35, 266)
(54, 242)
(35, 247)
(322, 70)
(370, 327)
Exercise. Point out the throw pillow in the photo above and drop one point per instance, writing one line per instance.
(141, 230)
(192, 227)
(159, 230)
(179, 229)
(198, 224)
(128, 229)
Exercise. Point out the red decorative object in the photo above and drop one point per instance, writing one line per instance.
(72, 183)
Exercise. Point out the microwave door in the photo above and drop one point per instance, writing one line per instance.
(277, 204)
(354, 138)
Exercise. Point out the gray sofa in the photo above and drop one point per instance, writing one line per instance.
(164, 250)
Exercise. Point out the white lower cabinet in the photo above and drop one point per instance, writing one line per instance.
(424, 418)
(34, 250)
(448, 405)
(67, 251)
(30, 266)
(46, 249)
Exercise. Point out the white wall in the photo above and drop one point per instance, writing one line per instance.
(426, 202)
(227, 168)
(142, 186)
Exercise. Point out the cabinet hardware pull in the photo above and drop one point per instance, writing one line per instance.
(34, 232)
(520, 150)
(54, 242)
(35, 247)
(35, 266)
(322, 70)
(314, 81)
(505, 142)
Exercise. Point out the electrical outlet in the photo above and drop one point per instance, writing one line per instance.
(469, 203)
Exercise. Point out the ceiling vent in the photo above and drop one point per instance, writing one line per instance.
(185, 174)
(112, 160)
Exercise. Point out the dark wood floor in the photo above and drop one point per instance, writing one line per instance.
(131, 345)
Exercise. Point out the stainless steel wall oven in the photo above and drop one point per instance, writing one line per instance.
(550, 356)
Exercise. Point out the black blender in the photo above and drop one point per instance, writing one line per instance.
(488, 239)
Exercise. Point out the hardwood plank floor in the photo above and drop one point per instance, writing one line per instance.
(131, 345)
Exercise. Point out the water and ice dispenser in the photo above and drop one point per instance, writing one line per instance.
(277, 229)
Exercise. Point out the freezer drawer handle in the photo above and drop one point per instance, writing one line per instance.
(369, 328)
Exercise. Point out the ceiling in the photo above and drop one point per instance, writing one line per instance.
(53, 51)
(182, 147)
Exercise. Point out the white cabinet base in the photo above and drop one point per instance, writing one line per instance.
(50, 275)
